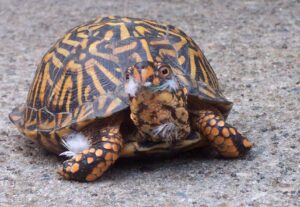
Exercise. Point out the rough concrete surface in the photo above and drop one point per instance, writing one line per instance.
(254, 47)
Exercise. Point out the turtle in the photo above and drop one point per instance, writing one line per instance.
(125, 87)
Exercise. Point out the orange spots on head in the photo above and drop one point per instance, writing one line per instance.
(75, 168)
(214, 131)
(90, 160)
(99, 153)
(156, 81)
(225, 132)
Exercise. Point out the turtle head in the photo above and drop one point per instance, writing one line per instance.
(158, 103)
(151, 76)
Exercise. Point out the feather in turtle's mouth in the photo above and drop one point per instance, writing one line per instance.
(167, 132)
(171, 85)
(132, 86)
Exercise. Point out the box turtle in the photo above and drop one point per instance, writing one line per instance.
(125, 87)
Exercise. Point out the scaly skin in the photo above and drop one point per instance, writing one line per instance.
(226, 139)
(91, 163)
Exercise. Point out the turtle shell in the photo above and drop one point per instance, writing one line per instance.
(81, 78)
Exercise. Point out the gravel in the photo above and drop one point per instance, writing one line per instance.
(254, 47)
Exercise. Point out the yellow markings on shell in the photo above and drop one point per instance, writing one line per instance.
(77, 68)
(124, 33)
(37, 82)
(180, 44)
(93, 50)
(108, 35)
(101, 102)
(113, 105)
(108, 74)
(82, 56)
(63, 51)
(47, 57)
(192, 64)
(136, 57)
(44, 81)
(82, 35)
(92, 73)
(68, 85)
(159, 42)
(141, 30)
(163, 52)
(125, 48)
(68, 41)
(181, 60)
(87, 92)
(204, 73)
(206, 92)
(147, 50)
(83, 43)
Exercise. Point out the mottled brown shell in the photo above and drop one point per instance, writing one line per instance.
(81, 77)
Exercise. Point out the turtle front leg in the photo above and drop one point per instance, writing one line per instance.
(226, 139)
(91, 163)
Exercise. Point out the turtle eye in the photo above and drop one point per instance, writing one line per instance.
(164, 71)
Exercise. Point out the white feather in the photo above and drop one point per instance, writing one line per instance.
(131, 87)
(172, 84)
(75, 143)
(167, 132)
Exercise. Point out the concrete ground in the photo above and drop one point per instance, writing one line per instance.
(254, 47)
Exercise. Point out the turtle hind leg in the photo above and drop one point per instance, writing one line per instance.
(226, 139)
(92, 162)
